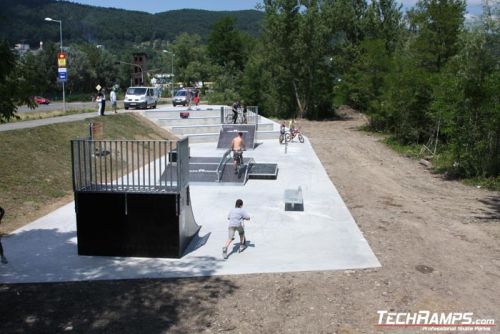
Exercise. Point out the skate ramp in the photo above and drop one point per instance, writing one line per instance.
(211, 170)
(134, 224)
(229, 131)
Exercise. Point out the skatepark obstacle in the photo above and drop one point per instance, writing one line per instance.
(229, 131)
(125, 204)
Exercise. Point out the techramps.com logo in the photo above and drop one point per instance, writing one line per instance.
(428, 321)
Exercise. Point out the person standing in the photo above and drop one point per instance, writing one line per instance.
(245, 110)
(98, 99)
(236, 106)
(112, 98)
(196, 99)
(291, 126)
(103, 102)
(236, 217)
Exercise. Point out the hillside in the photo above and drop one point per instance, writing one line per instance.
(23, 21)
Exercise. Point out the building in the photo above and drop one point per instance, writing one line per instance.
(139, 69)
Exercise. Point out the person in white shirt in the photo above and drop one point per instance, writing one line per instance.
(236, 217)
(112, 98)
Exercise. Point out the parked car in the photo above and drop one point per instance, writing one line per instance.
(41, 100)
(141, 97)
(183, 96)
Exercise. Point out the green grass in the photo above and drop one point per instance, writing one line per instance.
(47, 114)
(442, 163)
(35, 164)
(492, 183)
(411, 151)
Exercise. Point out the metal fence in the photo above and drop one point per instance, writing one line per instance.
(252, 115)
(129, 165)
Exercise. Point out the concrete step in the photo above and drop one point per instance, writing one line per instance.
(203, 137)
(214, 136)
(176, 113)
(192, 121)
(210, 128)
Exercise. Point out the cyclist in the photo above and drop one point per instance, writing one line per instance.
(236, 106)
(282, 137)
(282, 128)
(291, 126)
(237, 146)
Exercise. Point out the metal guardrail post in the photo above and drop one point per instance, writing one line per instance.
(221, 115)
(256, 118)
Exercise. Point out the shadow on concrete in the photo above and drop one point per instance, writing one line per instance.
(236, 247)
(145, 305)
(48, 255)
(197, 242)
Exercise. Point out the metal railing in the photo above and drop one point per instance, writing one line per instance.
(130, 165)
(252, 115)
(222, 164)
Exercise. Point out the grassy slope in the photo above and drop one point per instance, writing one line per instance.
(35, 164)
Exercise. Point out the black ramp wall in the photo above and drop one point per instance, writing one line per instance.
(134, 224)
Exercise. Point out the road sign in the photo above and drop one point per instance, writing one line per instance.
(62, 74)
(98, 87)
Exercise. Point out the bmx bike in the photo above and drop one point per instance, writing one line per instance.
(289, 136)
(238, 159)
(240, 118)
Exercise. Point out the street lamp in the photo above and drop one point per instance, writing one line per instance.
(136, 65)
(172, 78)
(48, 19)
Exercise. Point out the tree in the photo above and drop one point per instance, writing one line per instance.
(468, 102)
(384, 21)
(437, 24)
(281, 62)
(15, 88)
(191, 63)
(225, 44)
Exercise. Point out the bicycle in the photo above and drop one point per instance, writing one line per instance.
(289, 136)
(238, 158)
(240, 118)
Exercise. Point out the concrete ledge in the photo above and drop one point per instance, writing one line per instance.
(201, 128)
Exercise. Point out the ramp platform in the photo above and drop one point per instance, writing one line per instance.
(211, 170)
(263, 171)
(229, 131)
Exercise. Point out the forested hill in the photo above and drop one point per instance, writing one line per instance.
(23, 21)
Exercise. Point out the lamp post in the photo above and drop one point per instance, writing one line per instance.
(48, 19)
(142, 73)
(172, 78)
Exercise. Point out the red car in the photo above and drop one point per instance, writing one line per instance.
(41, 100)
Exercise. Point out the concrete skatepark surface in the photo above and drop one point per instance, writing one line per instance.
(322, 237)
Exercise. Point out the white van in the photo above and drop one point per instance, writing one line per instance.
(141, 97)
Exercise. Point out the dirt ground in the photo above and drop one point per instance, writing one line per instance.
(437, 241)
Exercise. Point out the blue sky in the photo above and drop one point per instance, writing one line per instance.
(156, 6)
